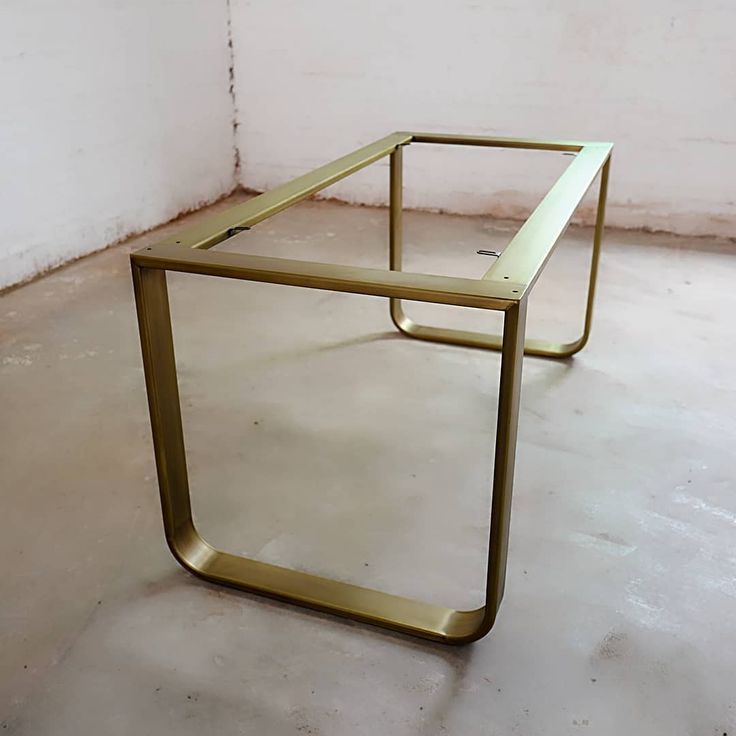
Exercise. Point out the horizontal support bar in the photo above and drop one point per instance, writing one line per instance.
(526, 255)
(215, 229)
(332, 596)
(351, 279)
(451, 139)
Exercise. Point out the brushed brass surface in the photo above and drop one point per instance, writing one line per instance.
(217, 228)
(526, 144)
(505, 287)
(524, 257)
(352, 279)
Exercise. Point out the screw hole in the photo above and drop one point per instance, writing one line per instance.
(514, 291)
(505, 277)
(178, 242)
(148, 249)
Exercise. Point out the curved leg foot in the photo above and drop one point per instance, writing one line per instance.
(464, 338)
(393, 612)
(482, 340)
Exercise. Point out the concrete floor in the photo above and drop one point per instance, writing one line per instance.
(318, 438)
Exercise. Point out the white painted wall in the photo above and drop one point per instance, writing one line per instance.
(117, 116)
(317, 79)
(114, 117)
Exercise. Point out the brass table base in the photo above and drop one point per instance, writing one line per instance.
(505, 287)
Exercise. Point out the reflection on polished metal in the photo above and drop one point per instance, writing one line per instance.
(504, 287)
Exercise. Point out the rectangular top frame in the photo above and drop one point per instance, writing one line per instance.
(506, 282)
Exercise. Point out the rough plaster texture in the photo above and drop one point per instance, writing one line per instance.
(318, 79)
(319, 438)
(115, 117)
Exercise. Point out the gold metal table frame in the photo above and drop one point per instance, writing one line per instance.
(504, 287)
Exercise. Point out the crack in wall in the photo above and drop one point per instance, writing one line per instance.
(231, 79)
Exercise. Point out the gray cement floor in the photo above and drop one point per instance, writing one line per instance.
(320, 439)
